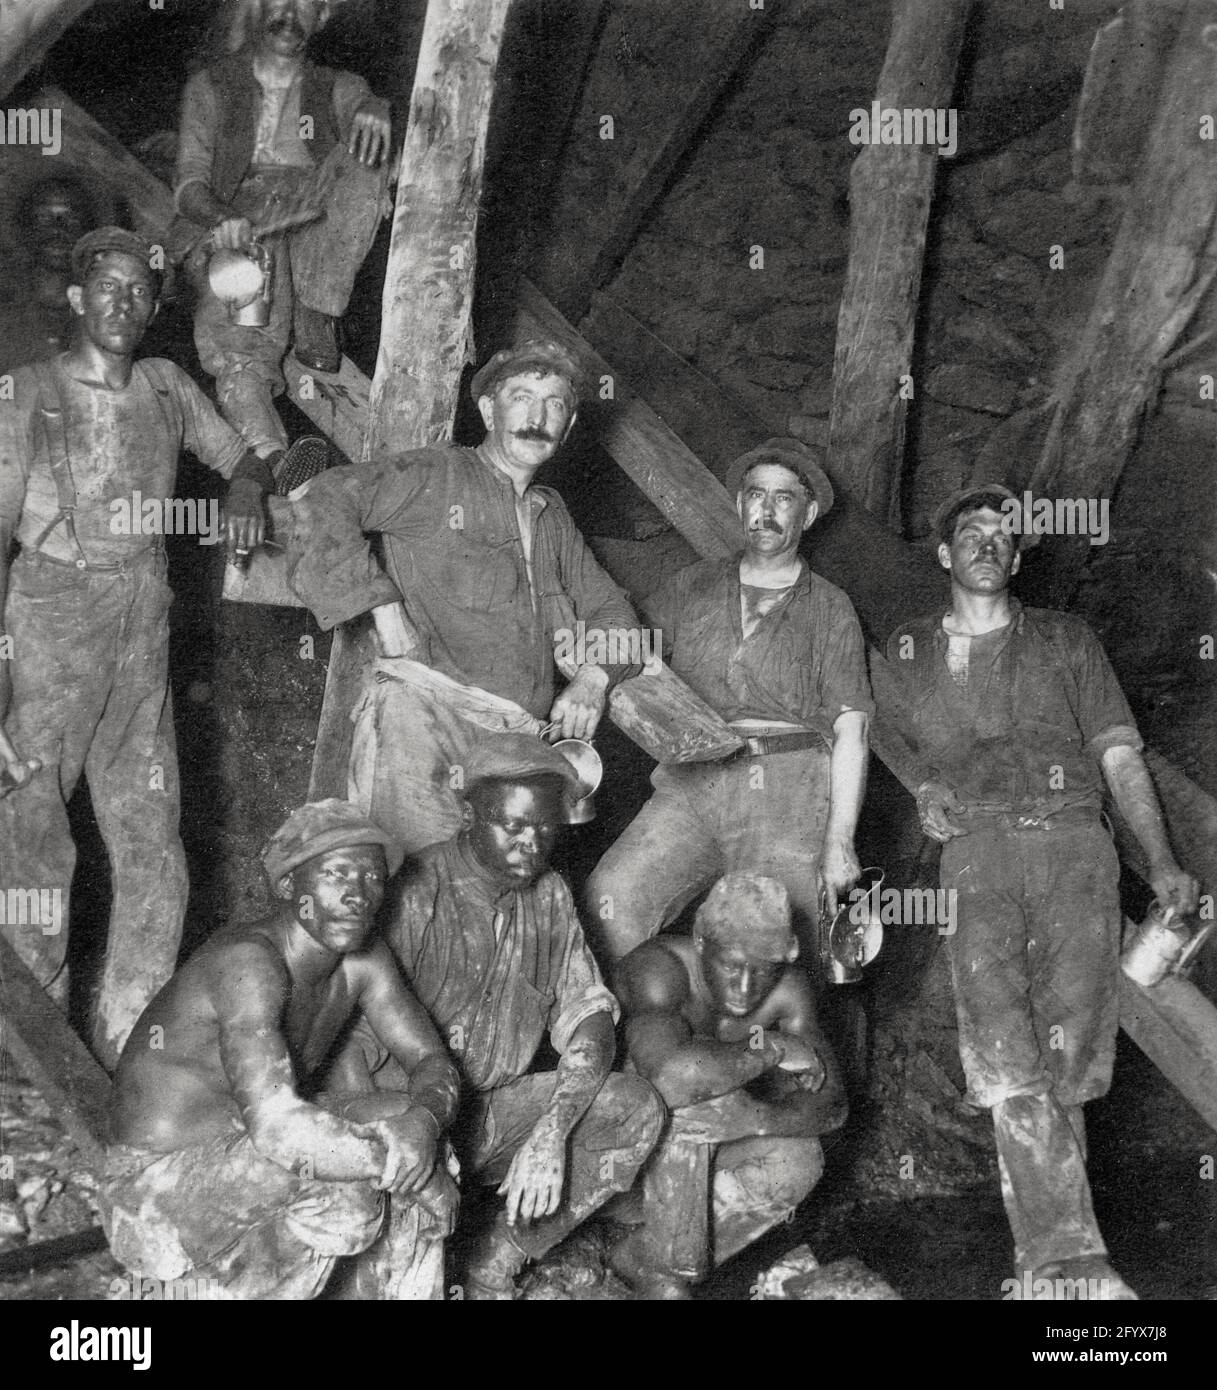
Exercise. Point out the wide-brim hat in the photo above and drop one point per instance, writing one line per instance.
(802, 459)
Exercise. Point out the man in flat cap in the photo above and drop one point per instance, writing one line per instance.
(778, 652)
(89, 446)
(725, 1029)
(263, 130)
(1018, 720)
(481, 568)
(489, 940)
(227, 1168)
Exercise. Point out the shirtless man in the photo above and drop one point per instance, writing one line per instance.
(224, 1166)
(724, 1027)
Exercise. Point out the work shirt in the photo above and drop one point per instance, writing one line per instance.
(1027, 730)
(453, 553)
(119, 443)
(803, 661)
(495, 968)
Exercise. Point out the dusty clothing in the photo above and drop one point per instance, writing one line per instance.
(90, 673)
(763, 815)
(235, 1225)
(1040, 707)
(1018, 733)
(802, 663)
(496, 970)
(453, 553)
(244, 141)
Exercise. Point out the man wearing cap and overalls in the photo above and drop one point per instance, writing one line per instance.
(778, 652)
(227, 1168)
(84, 679)
(1017, 719)
(489, 567)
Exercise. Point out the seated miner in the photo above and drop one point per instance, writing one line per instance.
(89, 448)
(492, 573)
(36, 321)
(725, 1029)
(226, 1165)
(264, 132)
(1017, 721)
(489, 941)
(778, 653)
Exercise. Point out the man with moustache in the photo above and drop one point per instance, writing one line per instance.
(481, 568)
(258, 128)
(724, 1028)
(778, 652)
(84, 680)
(226, 1166)
(489, 941)
(1018, 721)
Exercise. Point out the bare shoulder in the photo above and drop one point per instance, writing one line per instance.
(655, 975)
(792, 1002)
(243, 962)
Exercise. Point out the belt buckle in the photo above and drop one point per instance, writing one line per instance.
(1031, 823)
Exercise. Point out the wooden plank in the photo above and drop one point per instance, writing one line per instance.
(28, 31)
(52, 1056)
(668, 721)
(336, 402)
(890, 190)
(1176, 1027)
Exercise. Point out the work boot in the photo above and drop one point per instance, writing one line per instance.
(315, 339)
(300, 464)
(1088, 1277)
(496, 1260)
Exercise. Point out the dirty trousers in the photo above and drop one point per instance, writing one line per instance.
(603, 1154)
(1035, 966)
(414, 731)
(232, 1224)
(703, 1203)
(91, 695)
(764, 815)
(317, 263)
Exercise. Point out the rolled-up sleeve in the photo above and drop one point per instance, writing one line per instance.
(1103, 714)
(196, 135)
(842, 662)
(579, 990)
(208, 436)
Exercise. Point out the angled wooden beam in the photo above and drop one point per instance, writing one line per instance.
(53, 1057)
(1176, 1027)
(28, 31)
(606, 195)
(890, 189)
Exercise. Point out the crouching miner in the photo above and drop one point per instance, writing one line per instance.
(490, 943)
(1017, 719)
(225, 1166)
(86, 623)
(725, 1029)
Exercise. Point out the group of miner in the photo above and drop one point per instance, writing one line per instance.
(344, 1097)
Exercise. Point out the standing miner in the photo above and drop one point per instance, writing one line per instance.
(1017, 719)
(489, 567)
(260, 128)
(86, 439)
(778, 652)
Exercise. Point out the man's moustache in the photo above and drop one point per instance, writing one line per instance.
(538, 435)
(286, 25)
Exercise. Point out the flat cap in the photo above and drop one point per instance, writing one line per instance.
(519, 755)
(101, 239)
(320, 826)
(965, 494)
(802, 459)
(749, 911)
(536, 355)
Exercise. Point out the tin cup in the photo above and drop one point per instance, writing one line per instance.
(1156, 947)
(589, 768)
(853, 936)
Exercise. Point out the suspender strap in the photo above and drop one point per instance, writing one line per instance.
(55, 437)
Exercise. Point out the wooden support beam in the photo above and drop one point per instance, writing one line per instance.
(53, 1057)
(890, 188)
(1176, 1027)
(28, 31)
(610, 185)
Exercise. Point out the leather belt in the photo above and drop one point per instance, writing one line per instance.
(1017, 820)
(761, 745)
(121, 567)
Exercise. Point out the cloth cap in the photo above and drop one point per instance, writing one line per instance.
(320, 826)
(749, 911)
(963, 495)
(800, 458)
(113, 239)
(536, 355)
(510, 756)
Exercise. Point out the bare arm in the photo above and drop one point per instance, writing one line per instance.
(250, 990)
(1133, 789)
(839, 866)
